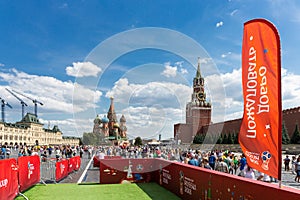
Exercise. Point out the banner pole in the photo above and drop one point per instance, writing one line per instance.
(280, 110)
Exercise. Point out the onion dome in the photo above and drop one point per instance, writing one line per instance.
(97, 120)
(116, 125)
(104, 119)
(122, 119)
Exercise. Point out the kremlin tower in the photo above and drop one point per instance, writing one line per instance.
(198, 112)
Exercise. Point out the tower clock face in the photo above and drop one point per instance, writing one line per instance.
(200, 96)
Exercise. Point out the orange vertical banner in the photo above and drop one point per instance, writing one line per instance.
(260, 132)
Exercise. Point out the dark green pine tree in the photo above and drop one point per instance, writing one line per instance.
(296, 136)
(203, 137)
(220, 139)
(236, 138)
(285, 135)
(224, 139)
(230, 139)
(198, 139)
(138, 141)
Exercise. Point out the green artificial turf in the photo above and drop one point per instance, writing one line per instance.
(139, 191)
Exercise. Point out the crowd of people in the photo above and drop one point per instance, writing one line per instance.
(44, 151)
(295, 166)
(219, 160)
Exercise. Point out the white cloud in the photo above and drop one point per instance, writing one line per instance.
(83, 69)
(290, 90)
(234, 96)
(179, 63)
(151, 108)
(56, 95)
(149, 122)
(153, 93)
(2, 65)
(219, 24)
(169, 70)
(226, 54)
(183, 71)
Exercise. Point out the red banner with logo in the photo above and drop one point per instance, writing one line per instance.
(29, 171)
(72, 164)
(61, 170)
(260, 132)
(8, 179)
(77, 162)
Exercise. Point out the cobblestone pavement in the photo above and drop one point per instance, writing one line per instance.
(288, 179)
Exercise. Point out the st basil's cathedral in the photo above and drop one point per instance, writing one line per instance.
(108, 126)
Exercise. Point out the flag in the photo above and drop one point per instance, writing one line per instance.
(260, 131)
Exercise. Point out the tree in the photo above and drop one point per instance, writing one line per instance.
(285, 135)
(91, 139)
(220, 139)
(296, 136)
(230, 139)
(86, 139)
(236, 138)
(138, 141)
(209, 139)
(224, 139)
(198, 139)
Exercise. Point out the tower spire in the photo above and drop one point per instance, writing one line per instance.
(111, 108)
(198, 74)
(111, 114)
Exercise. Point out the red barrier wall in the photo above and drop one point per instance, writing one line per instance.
(96, 160)
(112, 157)
(29, 171)
(8, 179)
(74, 164)
(189, 182)
(61, 170)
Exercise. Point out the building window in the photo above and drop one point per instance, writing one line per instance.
(16, 137)
(5, 137)
(11, 137)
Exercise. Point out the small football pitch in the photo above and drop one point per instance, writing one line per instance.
(138, 191)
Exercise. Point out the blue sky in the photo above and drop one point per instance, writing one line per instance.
(55, 51)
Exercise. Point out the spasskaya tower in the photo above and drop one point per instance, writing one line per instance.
(198, 111)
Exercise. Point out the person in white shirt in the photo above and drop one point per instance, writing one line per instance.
(35, 152)
(249, 172)
(264, 177)
(294, 161)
